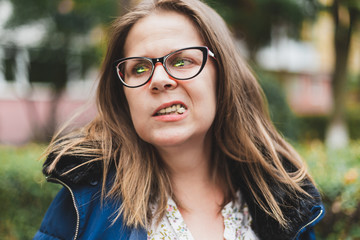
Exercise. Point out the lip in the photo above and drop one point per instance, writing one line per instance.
(168, 104)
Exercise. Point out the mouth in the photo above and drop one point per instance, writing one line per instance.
(173, 109)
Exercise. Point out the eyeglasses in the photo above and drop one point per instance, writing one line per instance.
(182, 64)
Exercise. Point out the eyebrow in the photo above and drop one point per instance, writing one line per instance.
(172, 50)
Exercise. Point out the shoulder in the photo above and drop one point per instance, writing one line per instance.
(59, 221)
(74, 169)
(78, 211)
(301, 212)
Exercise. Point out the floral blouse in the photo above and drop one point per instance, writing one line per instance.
(236, 216)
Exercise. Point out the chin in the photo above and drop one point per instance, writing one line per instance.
(174, 137)
(168, 142)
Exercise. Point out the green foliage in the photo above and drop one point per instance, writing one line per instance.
(280, 113)
(43, 64)
(353, 121)
(67, 22)
(71, 16)
(24, 196)
(9, 63)
(337, 174)
(255, 21)
(312, 127)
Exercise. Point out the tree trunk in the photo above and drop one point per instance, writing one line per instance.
(337, 134)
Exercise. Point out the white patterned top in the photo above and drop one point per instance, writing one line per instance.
(236, 216)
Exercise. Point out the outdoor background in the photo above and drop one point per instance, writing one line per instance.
(305, 53)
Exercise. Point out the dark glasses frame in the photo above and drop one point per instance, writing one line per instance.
(205, 50)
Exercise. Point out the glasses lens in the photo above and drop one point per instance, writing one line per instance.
(185, 64)
(135, 72)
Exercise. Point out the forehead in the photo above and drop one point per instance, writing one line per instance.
(160, 33)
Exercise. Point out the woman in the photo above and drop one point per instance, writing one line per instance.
(182, 147)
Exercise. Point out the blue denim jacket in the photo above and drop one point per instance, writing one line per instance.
(77, 212)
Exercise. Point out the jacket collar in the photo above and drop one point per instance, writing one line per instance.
(298, 212)
(86, 173)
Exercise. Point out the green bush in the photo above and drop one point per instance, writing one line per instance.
(24, 196)
(281, 115)
(337, 174)
(353, 120)
(312, 127)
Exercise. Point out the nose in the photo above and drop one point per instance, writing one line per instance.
(161, 80)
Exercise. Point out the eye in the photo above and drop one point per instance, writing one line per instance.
(181, 62)
(140, 68)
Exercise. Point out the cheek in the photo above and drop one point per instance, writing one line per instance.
(135, 102)
(211, 77)
(212, 88)
(135, 99)
(205, 98)
(212, 95)
(139, 122)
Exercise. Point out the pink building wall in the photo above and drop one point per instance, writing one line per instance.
(310, 94)
(20, 118)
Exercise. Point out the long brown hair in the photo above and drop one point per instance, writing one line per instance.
(245, 143)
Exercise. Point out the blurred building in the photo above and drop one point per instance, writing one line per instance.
(305, 67)
(26, 107)
(299, 68)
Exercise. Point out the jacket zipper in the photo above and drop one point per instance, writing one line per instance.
(74, 203)
(317, 217)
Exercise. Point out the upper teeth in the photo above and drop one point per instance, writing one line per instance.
(176, 108)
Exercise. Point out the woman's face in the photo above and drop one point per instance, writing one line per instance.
(155, 36)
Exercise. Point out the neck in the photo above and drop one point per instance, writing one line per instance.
(188, 159)
(190, 174)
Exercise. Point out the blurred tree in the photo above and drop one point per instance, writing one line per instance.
(257, 22)
(67, 24)
(346, 15)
